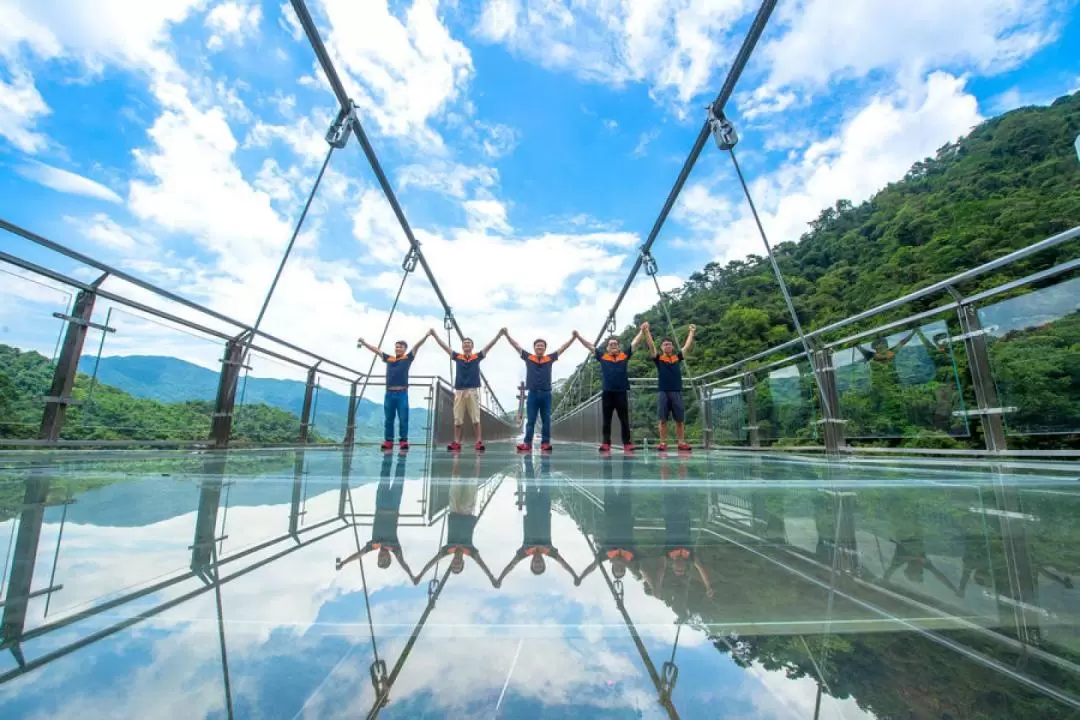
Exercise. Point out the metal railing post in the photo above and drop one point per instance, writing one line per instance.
(706, 418)
(231, 365)
(305, 413)
(67, 364)
(350, 422)
(990, 412)
(749, 390)
(821, 362)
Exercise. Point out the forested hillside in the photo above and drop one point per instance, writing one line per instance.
(111, 414)
(1012, 181)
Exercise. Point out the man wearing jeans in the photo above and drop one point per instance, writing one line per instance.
(538, 383)
(615, 386)
(396, 401)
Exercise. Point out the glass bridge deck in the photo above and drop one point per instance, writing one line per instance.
(179, 584)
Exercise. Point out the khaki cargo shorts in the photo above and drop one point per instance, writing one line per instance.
(466, 401)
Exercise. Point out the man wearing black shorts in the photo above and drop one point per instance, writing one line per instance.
(669, 399)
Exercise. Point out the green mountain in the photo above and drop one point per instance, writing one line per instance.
(1014, 180)
(170, 380)
(112, 414)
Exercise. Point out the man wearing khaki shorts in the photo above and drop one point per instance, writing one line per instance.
(467, 388)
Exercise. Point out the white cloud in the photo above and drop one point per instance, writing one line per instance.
(306, 136)
(21, 105)
(130, 33)
(400, 72)
(66, 182)
(610, 125)
(497, 140)
(642, 147)
(232, 22)
(487, 214)
(820, 44)
(676, 47)
(108, 234)
(875, 146)
(456, 181)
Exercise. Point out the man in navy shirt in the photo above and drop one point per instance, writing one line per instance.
(538, 383)
(396, 401)
(669, 399)
(467, 387)
(614, 386)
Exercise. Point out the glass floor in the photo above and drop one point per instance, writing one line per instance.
(571, 585)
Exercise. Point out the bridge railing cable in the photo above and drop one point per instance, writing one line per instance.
(349, 107)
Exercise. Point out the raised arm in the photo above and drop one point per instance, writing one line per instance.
(513, 563)
(421, 341)
(430, 563)
(446, 348)
(637, 338)
(405, 566)
(361, 342)
(512, 341)
(567, 344)
(589, 568)
(648, 337)
(704, 578)
(483, 566)
(487, 348)
(338, 564)
(566, 566)
(581, 339)
(689, 340)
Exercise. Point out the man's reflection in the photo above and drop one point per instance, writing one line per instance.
(537, 544)
(678, 533)
(617, 539)
(384, 526)
(461, 522)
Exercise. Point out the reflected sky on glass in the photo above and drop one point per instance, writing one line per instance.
(569, 585)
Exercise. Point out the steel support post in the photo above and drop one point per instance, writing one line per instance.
(833, 427)
(305, 413)
(23, 560)
(706, 418)
(206, 517)
(350, 423)
(982, 379)
(297, 492)
(231, 365)
(67, 366)
(749, 389)
(346, 473)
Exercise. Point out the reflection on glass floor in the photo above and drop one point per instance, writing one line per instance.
(328, 584)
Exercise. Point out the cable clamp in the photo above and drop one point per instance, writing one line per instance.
(611, 323)
(411, 259)
(722, 129)
(650, 263)
(337, 136)
(448, 321)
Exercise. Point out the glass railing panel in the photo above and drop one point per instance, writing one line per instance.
(30, 338)
(269, 401)
(1033, 342)
(786, 404)
(904, 384)
(148, 379)
(729, 414)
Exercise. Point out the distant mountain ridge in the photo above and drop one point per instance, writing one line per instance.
(169, 379)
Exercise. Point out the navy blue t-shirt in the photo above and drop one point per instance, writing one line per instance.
(614, 376)
(669, 372)
(538, 370)
(467, 373)
(397, 369)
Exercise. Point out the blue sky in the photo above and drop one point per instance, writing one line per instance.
(532, 145)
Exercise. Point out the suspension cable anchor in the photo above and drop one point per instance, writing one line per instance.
(611, 323)
(722, 130)
(337, 136)
(448, 321)
(411, 259)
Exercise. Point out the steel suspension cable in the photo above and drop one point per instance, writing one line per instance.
(363, 578)
(674, 332)
(386, 328)
(281, 266)
(826, 408)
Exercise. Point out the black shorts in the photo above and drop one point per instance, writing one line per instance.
(670, 403)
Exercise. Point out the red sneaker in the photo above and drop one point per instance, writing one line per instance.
(685, 447)
(453, 447)
(546, 447)
(387, 445)
(479, 446)
(628, 448)
(605, 448)
(524, 447)
(404, 444)
(662, 447)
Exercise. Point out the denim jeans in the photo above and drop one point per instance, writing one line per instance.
(538, 402)
(396, 402)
